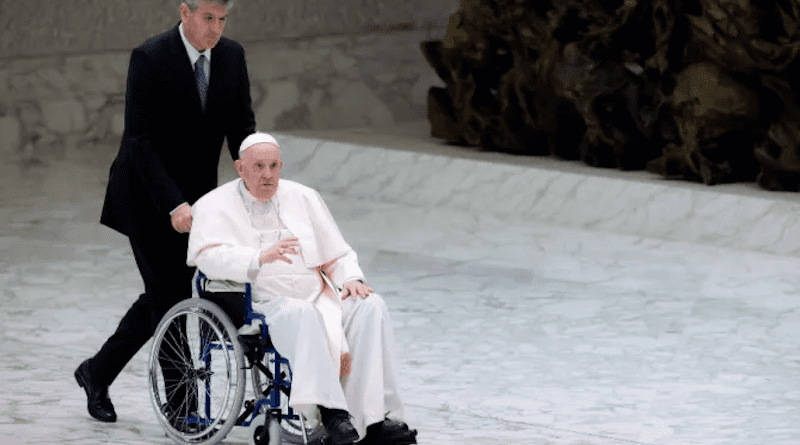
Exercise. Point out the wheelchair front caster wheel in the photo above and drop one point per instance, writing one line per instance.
(261, 435)
(264, 430)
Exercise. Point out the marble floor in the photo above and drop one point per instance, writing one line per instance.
(511, 330)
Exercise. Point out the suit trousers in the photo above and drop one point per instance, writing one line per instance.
(161, 259)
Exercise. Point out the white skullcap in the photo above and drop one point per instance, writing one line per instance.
(256, 138)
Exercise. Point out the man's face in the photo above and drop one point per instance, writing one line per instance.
(204, 26)
(260, 169)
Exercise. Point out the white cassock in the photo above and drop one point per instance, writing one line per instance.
(309, 323)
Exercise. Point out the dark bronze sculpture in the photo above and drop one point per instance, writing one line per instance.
(701, 90)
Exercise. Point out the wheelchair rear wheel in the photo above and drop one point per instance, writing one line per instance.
(196, 373)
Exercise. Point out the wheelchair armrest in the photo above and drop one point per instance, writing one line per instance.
(225, 293)
(205, 284)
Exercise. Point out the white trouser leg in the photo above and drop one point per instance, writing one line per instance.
(298, 333)
(371, 388)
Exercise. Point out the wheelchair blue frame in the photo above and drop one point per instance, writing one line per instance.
(273, 399)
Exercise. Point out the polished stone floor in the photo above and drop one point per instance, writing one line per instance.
(511, 330)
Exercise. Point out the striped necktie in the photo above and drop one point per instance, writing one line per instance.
(202, 81)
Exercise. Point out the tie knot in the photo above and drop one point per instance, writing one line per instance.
(200, 61)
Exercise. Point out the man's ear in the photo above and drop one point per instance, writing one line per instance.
(237, 164)
(184, 10)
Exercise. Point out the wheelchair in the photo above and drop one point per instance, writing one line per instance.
(197, 372)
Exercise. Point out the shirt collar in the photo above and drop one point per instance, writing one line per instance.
(194, 54)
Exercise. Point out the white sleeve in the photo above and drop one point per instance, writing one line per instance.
(221, 262)
(214, 248)
(346, 269)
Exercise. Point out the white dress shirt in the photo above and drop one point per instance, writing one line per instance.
(194, 54)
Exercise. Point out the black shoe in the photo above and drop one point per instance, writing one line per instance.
(337, 425)
(98, 402)
(389, 432)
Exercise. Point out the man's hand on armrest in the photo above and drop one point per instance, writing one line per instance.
(355, 289)
(279, 250)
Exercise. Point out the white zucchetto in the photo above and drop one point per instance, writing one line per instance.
(256, 138)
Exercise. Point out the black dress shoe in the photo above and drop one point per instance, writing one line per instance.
(389, 432)
(337, 425)
(98, 402)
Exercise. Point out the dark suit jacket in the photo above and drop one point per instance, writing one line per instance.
(170, 148)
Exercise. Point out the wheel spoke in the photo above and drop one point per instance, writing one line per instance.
(196, 371)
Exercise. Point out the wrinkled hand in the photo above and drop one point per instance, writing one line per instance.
(345, 364)
(182, 218)
(279, 251)
(355, 289)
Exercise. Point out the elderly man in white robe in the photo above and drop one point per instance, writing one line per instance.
(336, 333)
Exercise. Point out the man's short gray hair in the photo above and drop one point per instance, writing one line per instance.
(193, 4)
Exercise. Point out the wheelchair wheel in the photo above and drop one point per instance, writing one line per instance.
(267, 430)
(262, 384)
(197, 376)
(290, 431)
